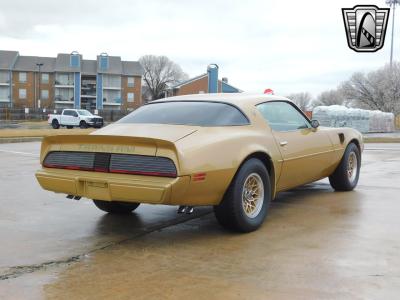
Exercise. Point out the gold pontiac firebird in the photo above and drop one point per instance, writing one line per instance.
(232, 151)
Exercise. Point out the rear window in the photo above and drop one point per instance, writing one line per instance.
(188, 113)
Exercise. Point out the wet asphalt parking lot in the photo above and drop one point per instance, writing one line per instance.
(315, 243)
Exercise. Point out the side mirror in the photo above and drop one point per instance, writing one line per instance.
(314, 124)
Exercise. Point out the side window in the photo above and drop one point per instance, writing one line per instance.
(282, 116)
(74, 113)
(67, 113)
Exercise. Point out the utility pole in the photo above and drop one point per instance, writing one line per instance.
(392, 4)
(38, 100)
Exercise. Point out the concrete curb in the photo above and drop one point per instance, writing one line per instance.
(381, 140)
(20, 139)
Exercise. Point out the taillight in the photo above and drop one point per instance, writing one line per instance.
(111, 163)
(70, 160)
(142, 165)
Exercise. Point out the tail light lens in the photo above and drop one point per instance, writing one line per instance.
(111, 163)
(142, 165)
(70, 160)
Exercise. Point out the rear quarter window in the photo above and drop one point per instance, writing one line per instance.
(195, 113)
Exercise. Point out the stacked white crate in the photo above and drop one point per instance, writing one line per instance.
(328, 115)
(390, 122)
(374, 121)
(360, 119)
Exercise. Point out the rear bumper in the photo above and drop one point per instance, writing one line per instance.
(114, 187)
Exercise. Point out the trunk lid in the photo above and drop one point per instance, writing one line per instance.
(170, 133)
(139, 139)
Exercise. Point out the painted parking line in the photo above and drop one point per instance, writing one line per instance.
(20, 153)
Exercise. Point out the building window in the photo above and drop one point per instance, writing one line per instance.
(44, 78)
(4, 93)
(112, 96)
(22, 77)
(131, 97)
(4, 77)
(111, 81)
(64, 79)
(131, 81)
(63, 94)
(103, 61)
(44, 94)
(22, 93)
(74, 60)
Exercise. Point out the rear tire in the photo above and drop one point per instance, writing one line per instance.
(55, 124)
(116, 207)
(345, 177)
(246, 202)
(83, 125)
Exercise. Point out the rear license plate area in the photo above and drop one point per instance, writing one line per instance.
(97, 190)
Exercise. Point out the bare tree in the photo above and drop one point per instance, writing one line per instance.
(302, 100)
(331, 97)
(159, 73)
(378, 89)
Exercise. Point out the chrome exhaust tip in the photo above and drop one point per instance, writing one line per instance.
(185, 209)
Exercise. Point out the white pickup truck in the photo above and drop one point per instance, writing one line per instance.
(75, 118)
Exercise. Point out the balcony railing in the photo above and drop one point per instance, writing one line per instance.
(64, 83)
(63, 98)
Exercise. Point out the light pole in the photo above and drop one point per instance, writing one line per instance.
(392, 4)
(38, 100)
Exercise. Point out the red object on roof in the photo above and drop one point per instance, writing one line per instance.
(269, 92)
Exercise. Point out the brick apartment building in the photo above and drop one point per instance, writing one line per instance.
(69, 81)
(204, 83)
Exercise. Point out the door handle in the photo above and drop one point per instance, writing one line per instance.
(283, 143)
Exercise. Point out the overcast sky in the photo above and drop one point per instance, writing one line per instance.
(289, 46)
